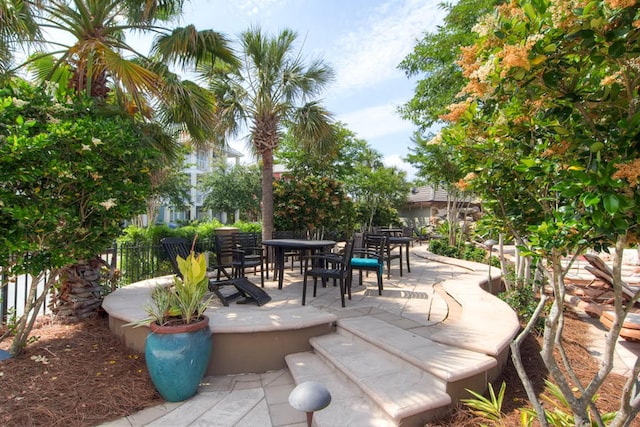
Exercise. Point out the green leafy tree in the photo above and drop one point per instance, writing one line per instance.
(434, 58)
(548, 133)
(375, 187)
(69, 178)
(339, 162)
(377, 190)
(312, 203)
(90, 56)
(380, 189)
(439, 166)
(233, 188)
(170, 186)
(273, 89)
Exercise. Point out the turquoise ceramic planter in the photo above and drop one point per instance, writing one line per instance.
(177, 358)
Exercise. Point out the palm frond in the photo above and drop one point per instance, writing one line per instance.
(313, 126)
(133, 77)
(45, 67)
(186, 46)
(149, 11)
(186, 104)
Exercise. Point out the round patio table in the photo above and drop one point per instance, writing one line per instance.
(280, 246)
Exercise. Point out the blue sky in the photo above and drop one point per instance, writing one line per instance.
(363, 40)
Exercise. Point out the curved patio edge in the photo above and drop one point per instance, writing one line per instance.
(252, 339)
(485, 323)
(246, 338)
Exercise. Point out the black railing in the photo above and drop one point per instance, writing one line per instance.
(14, 291)
(131, 263)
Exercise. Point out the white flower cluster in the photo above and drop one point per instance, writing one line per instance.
(486, 25)
(108, 204)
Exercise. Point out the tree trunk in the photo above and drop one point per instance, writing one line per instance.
(553, 342)
(34, 302)
(267, 194)
(80, 292)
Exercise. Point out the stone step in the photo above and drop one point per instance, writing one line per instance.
(408, 395)
(457, 367)
(349, 406)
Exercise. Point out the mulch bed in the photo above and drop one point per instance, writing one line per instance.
(584, 364)
(74, 375)
(81, 375)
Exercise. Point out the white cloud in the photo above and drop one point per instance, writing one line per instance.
(255, 7)
(375, 122)
(371, 52)
(394, 160)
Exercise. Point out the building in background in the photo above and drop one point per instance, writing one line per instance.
(428, 205)
(198, 163)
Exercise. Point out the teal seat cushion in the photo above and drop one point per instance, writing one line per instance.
(370, 263)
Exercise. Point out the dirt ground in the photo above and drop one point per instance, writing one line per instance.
(81, 375)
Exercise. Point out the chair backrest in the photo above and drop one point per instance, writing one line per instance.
(376, 243)
(174, 247)
(225, 245)
(348, 254)
(247, 240)
(369, 237)
(358, 239)
(283, 234)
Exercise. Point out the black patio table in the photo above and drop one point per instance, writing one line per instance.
(280, 246)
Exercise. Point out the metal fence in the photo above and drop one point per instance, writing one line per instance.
(131, 262)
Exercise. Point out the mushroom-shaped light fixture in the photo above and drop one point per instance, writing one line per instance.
(490, 243)
(309, 396)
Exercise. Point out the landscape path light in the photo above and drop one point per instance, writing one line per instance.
(309, 396)
(490, 244)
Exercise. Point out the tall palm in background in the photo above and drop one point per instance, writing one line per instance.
(271, 90)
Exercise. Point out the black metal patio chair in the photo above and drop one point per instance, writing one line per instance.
(370, 257)
(329, 266)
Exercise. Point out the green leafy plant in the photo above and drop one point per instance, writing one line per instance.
(524, 302)
(560, 414)
(184, 302)
(489, 408)
(312, 203)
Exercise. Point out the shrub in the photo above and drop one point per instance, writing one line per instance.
(524, 303)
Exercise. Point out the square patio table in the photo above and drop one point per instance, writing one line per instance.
(281, 246)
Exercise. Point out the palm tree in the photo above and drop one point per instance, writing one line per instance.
(98, 61)
(272, 89)
(17, 29)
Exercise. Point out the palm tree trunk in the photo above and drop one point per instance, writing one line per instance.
(267, 194)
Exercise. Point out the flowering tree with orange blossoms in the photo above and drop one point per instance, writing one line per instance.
(548, 134)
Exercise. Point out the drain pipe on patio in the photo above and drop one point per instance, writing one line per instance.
(309, 396)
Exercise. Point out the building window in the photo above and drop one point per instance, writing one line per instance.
(202, 159)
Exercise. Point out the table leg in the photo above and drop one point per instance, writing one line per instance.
(280, 265)
(408, 266)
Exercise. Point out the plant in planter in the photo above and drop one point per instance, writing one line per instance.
(178, 348)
